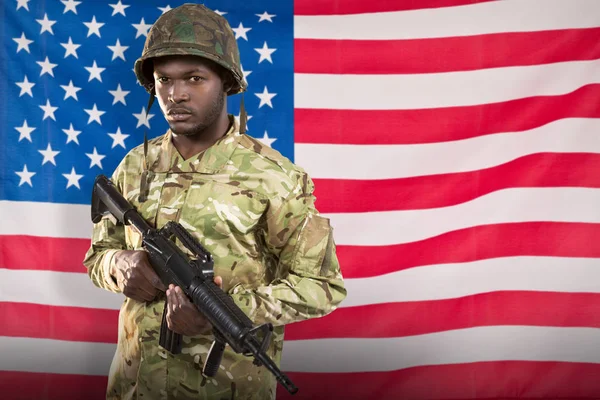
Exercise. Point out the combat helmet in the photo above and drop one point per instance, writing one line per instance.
(191, 29)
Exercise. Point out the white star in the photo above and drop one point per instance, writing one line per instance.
(119, 8)
(240, 32)
(96, 159)
(49, 155)
(93, 27)
(118, 50)
(23, 43)
(119, 95)
(118, 138)
(73, 178)
(47, 67)
(25, 87)
(265, 53)
(248, 118)
(142, 28)
(23, 3)
(143, 119)
(70, 48)
(70, 90)
(95, 72)
(25, 176)
(245, 74)
(94, 114)
(265, 17)
(265, 98)
(48, 110)
(46, 24)
(70, 5)
(220, 12)
(25, 131)
(72, 134)
(165, 9)
(267, 140)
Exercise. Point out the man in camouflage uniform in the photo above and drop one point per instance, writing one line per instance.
(247, 204)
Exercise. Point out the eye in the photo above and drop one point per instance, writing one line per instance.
(197, 78)
(162, 79)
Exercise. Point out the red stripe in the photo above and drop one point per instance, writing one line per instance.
(487, 309)
(60, 323)
(43, 253)
(329, 7)
(317, 56)
(559, 239)
(441, 124)
(483, 380)
(432, 191)
(42, 386)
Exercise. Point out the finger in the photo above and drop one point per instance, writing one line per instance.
(219, 282)
(146, 269)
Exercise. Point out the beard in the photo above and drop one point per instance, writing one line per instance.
(210, 116)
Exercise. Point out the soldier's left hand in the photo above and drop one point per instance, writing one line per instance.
(182, 315)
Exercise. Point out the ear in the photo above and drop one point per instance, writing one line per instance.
(228, 83)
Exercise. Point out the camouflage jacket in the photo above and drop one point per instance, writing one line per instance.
(254, 211)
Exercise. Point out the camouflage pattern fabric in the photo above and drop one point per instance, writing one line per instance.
(254, 211)
(192, 29)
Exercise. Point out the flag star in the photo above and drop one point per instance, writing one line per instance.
(70, 48)
(240, 32)
(93, 27)
(248, 118)
(96, 159)
(265, 98)
(49, 155)
(25, 176)
(143, 119)
(70, 90)
(118, 138)
(70, 5)
(220, 12)
(47, 67)
(119, 8)
(265, 17)
(265, 53)
(48, 110)
(118, 50)
(267, 140)
(46, 24)
(25, 87)
(95, 72)
(25, 131)
(245, 74)
(23, 3)
(72, 134)
(165, 9)
(119, 95)
(73, 178)
(23, 43)
(94, 114)
(142, 28)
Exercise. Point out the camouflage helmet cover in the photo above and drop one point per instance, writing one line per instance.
(192, 29)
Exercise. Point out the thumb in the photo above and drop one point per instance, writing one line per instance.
(219, 282)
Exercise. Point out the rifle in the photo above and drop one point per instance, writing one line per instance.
(195, 277)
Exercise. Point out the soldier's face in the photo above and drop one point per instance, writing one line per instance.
(190, 93)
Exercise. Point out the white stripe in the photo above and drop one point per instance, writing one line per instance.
(504, 206)
(444, 89)
(339, 161)
(495, 343)
(45, 219)
(55, 289)
(476, 19)
(55, 356)
(447, 281)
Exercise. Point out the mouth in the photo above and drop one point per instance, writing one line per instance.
(178, 114)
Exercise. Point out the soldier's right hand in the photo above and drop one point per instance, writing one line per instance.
(134, 275)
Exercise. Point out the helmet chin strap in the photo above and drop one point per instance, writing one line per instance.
(243, 116)
(146, 176)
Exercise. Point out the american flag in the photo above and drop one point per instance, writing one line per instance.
(454, 144)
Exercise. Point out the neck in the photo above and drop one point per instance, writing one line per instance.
(191, 145)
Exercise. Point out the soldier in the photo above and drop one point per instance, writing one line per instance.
(252, 208)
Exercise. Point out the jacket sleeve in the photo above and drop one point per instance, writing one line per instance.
(308, 282)
(107, 239)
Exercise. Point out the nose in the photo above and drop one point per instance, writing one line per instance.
(178, 92)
